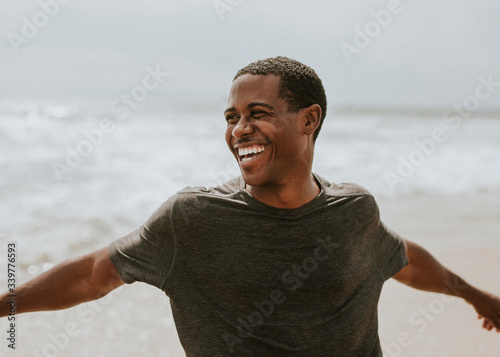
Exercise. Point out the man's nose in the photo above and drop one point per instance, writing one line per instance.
(243, 127)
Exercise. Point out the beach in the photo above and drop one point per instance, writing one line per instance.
(449, 205)
(108, 109)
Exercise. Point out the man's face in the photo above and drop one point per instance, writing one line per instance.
(266, 139)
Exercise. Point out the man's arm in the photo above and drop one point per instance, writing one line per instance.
(69, 283)
(424, 272)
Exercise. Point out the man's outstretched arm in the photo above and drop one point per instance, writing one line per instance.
(424, 272)
(69, 283)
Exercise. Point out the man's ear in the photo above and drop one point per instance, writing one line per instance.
(312, 118)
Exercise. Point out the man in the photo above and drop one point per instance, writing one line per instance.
(278, 262)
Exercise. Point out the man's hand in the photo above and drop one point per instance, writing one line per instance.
(488, 308)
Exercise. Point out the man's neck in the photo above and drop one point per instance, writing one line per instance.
(293, 194)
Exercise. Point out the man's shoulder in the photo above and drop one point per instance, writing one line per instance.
(360, 199)
(342, 189)
(225, 189)
(201, 196)
(195, 199)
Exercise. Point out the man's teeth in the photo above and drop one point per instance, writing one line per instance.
(251, 150)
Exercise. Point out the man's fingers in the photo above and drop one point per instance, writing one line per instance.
(487, 325)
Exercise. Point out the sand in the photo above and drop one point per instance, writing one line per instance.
(460, 231)
(463, 233)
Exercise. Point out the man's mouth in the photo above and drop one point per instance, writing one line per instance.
(249, 153)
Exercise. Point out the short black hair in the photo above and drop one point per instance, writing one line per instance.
(300, 86)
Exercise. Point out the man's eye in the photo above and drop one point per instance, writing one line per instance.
(232, 119)
(258, 113)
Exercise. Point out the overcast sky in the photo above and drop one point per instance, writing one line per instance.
(427, 54)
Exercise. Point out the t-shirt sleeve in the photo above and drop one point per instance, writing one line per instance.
(388, 250)
(147, 253)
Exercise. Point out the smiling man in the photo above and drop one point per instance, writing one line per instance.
(274, 145)
(277, 262)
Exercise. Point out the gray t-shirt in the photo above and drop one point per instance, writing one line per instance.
(248, 279)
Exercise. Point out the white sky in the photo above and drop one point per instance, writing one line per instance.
(429, 55)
